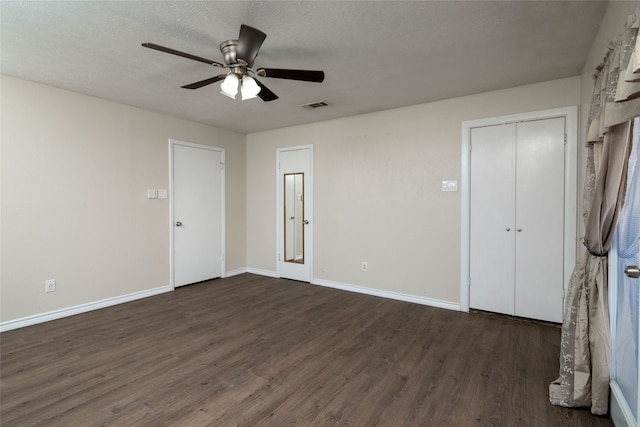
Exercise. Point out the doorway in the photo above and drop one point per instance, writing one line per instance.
(294, 212)
(520, 245)
(197, 212)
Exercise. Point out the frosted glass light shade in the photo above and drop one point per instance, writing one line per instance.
(229, 86)
(250, 88)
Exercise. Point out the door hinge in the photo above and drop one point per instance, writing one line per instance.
(222, 165)
(565, 138)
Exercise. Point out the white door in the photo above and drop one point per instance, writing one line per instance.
(539, 260)
(625, 292)
(492, 228)
(294, 213)
(516, 260)
(197, 212)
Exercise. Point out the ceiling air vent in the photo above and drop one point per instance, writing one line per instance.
(316, 104)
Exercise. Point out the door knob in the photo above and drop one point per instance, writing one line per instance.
(519, 230)
(306, 222)
(508, 229)
(178, 224)
(632, 271)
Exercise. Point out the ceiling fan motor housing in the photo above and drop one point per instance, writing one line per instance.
(229, 51)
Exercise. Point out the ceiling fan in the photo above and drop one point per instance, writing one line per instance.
(239, 56)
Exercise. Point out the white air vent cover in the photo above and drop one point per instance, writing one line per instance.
(314, 105)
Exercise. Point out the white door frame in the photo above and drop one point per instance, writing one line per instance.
(621, 413)
(570, 187)
(308, 209)
(172, 143)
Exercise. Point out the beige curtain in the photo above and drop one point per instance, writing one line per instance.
(585, 341)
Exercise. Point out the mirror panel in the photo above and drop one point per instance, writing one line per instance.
(294, 217)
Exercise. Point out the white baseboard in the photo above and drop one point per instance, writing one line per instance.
(235, 272)
(83, 308)
(369, 291)
(387, 294)
(267, 273)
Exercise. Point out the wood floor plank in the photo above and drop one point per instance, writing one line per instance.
(258, 351)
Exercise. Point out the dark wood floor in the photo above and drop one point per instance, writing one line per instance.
(256, 351)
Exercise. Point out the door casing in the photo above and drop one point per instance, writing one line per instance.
(570, 187)
(514, 215)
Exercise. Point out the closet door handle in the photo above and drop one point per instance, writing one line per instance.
(508, 229)
(519, 230)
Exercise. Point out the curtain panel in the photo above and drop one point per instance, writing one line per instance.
(585, 338)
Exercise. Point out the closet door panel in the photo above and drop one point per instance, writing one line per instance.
(491, 262)
(539, 265)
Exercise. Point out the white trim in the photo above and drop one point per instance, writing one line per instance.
(83, 308)
(172, 143)
(570, 114)
(387, 294)
(223, 210)
(235, 272)
(308, 247)
(261, 272)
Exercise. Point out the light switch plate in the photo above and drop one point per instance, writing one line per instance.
(152, 193)
(449, 185)
(162, 193)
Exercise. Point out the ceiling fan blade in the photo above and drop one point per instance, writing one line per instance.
(183, 54)
(281, 73)
(265, 94)
(249, 42)
(202, 83)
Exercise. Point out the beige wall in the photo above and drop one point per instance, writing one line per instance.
(377, 196)
(74, 171)
(74, 175)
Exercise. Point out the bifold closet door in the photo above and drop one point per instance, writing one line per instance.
(492, 239)
(516, 261)
(539, 257)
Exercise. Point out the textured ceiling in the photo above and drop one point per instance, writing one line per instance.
(376, 55)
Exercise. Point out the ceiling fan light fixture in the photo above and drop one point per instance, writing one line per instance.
(239, 55)
(250, 88)
(229, 86)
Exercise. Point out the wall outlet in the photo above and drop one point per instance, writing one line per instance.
(50, 285)
(365, 266)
